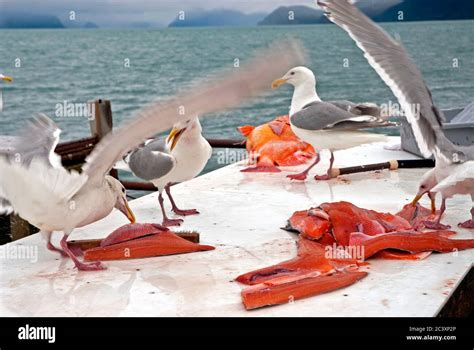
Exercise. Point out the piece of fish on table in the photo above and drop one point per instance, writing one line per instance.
(274, 144)
(335, 239)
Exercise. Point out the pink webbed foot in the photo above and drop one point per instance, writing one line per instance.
(435, 225)
(172, 222)
(298, 177)
(322, 177)
(52, 248)
(95, 266)
(185, 212)
(467, 224)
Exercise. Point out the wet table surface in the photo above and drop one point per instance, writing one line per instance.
(241, 215)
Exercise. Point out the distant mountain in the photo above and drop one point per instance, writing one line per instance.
(293, 15)
(221, 17)
(429, 10)
(23, 20)
(380, 11)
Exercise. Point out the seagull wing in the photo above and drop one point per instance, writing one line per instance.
(222, 92)
(32, 167)
(392, 63)
(326, 116)
(152, 161)
(461, 180)
(38, 140)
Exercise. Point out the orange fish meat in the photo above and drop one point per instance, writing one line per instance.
(142, 241)
(319, 268)
(274, 144)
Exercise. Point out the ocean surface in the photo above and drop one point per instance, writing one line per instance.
(81, 65)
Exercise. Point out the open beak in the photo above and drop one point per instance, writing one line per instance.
(278, 82)
(7, 78)
(125, 209)
(416, 199)
(174, 136)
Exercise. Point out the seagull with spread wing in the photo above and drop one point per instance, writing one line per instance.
(453, 171)
(35, 185)
(331, 125)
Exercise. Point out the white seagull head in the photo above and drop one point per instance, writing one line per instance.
(121, 202)
(296, 76)
(428, 181)
(190, 127)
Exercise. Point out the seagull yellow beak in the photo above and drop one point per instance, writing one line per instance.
(7, 78)
(174, 136)
(416, 199)
(125, 209)
(278, 82)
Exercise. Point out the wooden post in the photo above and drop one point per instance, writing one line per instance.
(102, 123)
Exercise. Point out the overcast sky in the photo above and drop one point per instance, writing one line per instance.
(127, 11)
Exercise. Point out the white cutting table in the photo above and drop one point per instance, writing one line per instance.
(241, 215)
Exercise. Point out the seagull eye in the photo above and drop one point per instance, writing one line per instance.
(292, 73)
(422, 187)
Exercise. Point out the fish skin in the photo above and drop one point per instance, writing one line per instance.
(276, 145)
(266, 294)
(162, 243)
(409, 241)
(132, 231)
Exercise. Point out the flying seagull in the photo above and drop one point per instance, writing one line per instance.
(35, 185)
(392, 63)
(177, 158)
(331, 125)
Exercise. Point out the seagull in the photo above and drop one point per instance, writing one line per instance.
(331, 125)
(388, 57)
(165, 161)
(35, 185)
(449, 180)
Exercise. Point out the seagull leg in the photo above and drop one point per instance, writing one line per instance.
(436, 224)
(51, 247)
(327, 176)
(302, 176)
(95, 266)
(468, 223)
(167, 221)
(182, 212)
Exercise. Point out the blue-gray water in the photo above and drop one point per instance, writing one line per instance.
(81, 65)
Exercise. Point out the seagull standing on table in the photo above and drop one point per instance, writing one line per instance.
(331, 125)
(453, 173)
(165, 161)
(35, 185)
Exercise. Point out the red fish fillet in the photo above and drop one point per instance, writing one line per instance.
(409, 241)
(347, 218)
(312, 224)
(162, 243)
(275, 144)
(269, 293)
